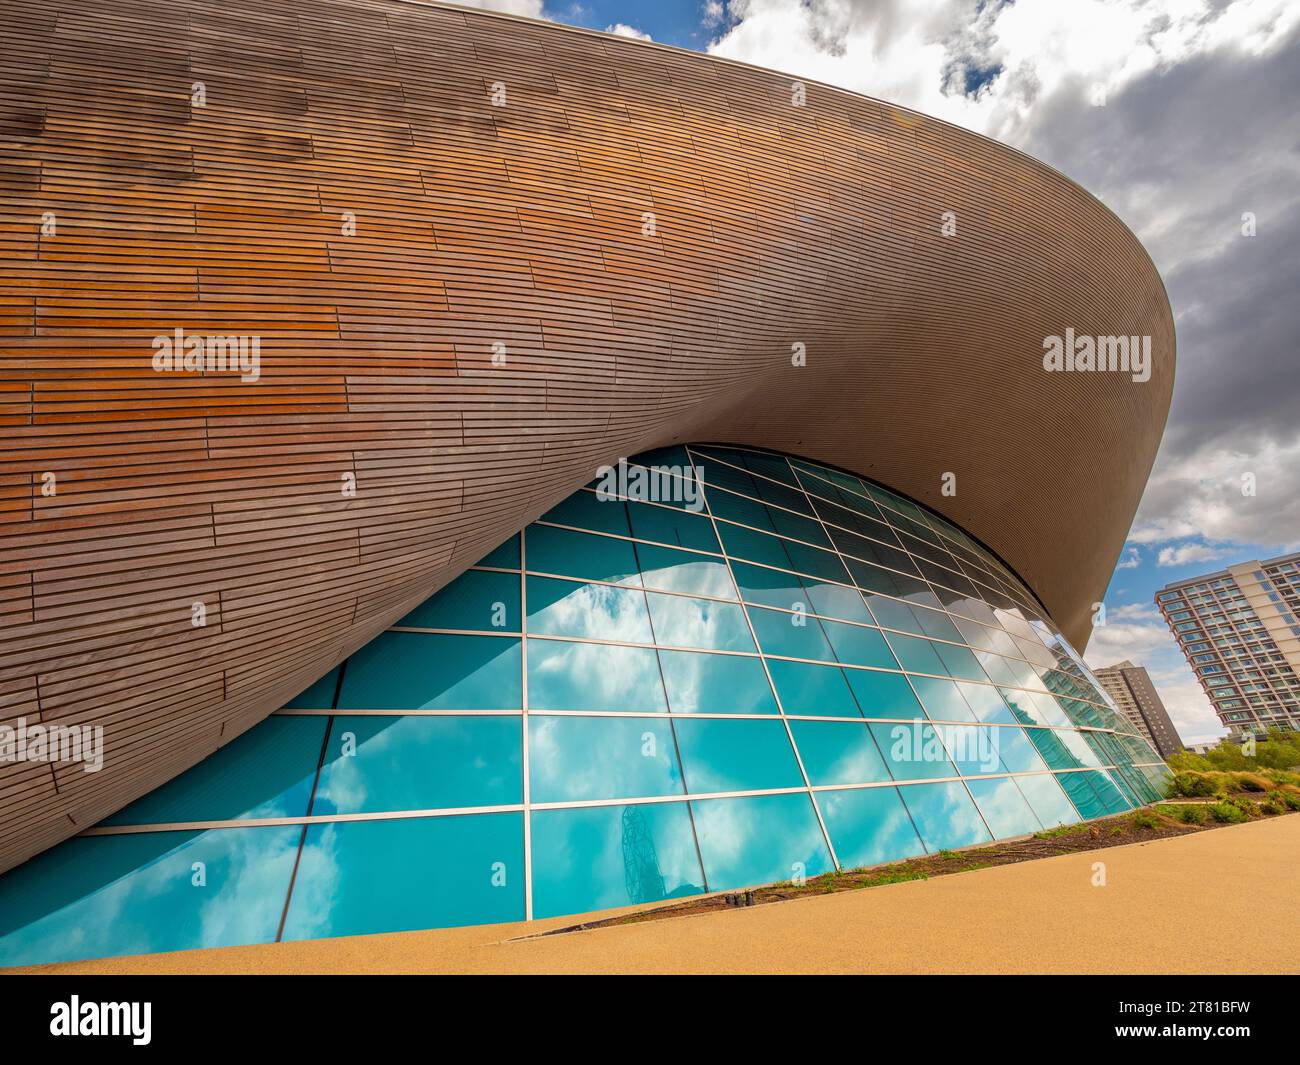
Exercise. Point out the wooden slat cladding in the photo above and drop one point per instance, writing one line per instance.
(129, 210)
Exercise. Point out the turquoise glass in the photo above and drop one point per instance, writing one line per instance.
(837, 601)
(985, 702)
(697, 682)
(374, 764)
(596, 858)
(479, 600)
(698, 623)
(319, 696)
(266, 772)
(883, 694)
(838, 752)
(738, 755)
(759, 840)
(974, 749)
(790, 635)
(591, 611)
(671, 526)
(98, 896)
(913, 751)
(853, 667)
(666, 569)
(358, 877)
(869, 826)
(1005, 809)
(770, 587)
(945, 816)
(506, 556)
(593, 676)
(1048, 800)
(855, 645)
(815, 690)
(586, 556)
(428, 671)
(586, 510)
(942, 699)
(574, 759)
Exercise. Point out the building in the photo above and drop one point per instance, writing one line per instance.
(479, 259)
(1131, 688)
(1240, 631)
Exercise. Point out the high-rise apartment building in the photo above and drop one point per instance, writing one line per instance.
(1240, 631)
(1131, 688)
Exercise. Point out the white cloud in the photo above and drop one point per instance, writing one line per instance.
(527, 8)
(713, 13)
(1185, 553)
(1131, 559)
(622, 29)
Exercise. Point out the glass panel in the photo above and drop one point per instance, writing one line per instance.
(592, 676)
(357, 877)
(577, 758)
(836, 601)
(1004, 808)
(760, 840)
(682, 622)
(376, 764)
(320, 696)
(945, 816)
(869, 826)
(916, 656)
(913, 752)
(598, 858)
(838, 752)
(986, 703)
(1083, 795)
(98, 896)
(1047, 799)
(596, 611)
(715, 684)
(266, 772)
(477, 599)
(506, 556)
(671, 526)
(883, 694)
(973, 748)
(425, 671)
(790, 635)
(586, 510)
(1016, 752)
(942, 699)
(815, 690)
(857, 646)
(670, 570)
(577, 554)
(720, 755)
(770, 587)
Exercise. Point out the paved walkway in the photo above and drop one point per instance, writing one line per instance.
(1173, 905)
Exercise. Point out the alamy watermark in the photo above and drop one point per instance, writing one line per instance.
(1084, 354)
(651, 484)
(53, 743)
(181, 353)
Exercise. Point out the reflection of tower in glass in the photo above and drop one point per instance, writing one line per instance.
(645, 883)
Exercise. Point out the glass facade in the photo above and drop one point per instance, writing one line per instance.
(711, 668)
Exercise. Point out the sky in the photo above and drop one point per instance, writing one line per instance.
(1183, 117)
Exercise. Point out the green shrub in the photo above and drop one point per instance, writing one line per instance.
(1194, 785)
(1191, 814)
(1145, 819)
(1274, 804)
(1228, 813)
(1290, 799)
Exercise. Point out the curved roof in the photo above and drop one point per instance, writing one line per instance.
(482, 256)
